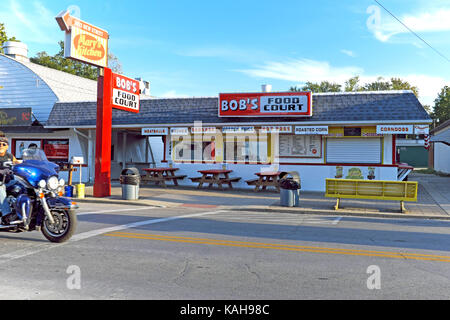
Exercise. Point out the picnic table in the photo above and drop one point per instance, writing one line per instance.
(267, 179)
(212, 177)
(161, 175)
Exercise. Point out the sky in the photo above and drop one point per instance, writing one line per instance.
(203, 48)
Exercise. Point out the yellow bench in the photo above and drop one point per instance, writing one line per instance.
(371, 189)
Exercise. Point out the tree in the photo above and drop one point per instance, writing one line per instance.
(324, 86)
(441, 111)
(398, 84)
(4, 37)
(378, 85)
(58, 62)
(352, 84)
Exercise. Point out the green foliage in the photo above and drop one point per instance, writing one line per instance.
(58, 62)
(441, 111)
(353, 85)
(324, 86)
(4, 37)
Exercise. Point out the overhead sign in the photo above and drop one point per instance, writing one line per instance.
(203, 129)
(275, 129)
(83, 41)
(179, 131)
(311, 130)
(125, 93)
(239, 129)
(421, 129)
(395, 129)
(15, 117)
(154, 131)
(265, 104)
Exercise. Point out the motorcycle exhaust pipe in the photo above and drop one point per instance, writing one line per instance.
(7, 227)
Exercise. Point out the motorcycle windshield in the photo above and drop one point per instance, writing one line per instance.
(34, 154)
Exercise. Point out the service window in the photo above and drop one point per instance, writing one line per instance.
(18, 145)
(182, 148)
(186, 148)
(353, 150)
(241, 148)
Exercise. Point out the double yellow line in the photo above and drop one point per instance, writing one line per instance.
(286, 247)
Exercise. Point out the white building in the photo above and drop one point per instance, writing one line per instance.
(440, 142)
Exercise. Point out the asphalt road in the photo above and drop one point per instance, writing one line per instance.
(130, 252)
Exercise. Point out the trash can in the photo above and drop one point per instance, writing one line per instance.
(80, 191)
(68, 191)
(130, 180)
(290, 189)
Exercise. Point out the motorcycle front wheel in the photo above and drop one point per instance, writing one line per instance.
(63, 227)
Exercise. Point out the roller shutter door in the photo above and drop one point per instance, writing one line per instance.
(354, 150)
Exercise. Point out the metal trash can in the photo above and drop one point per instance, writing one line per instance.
(290, 189)
(130, 180)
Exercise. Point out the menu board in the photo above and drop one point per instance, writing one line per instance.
(301, 146)
(57, 149)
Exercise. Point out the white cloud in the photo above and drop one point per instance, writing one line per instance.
(30, 25)
(348, 53)
(384, 27)
(302, 70)
(172, 94)
(228, 52)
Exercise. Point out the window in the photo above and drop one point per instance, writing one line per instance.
(18, 145)
(300, 146)
(57, 149)
(185, 148)
(240, 148)
(353, 150)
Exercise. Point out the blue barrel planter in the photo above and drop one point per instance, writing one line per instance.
(68, 191)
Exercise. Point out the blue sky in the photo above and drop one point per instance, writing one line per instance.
(202, 48)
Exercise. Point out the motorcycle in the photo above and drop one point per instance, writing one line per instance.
(34, 194)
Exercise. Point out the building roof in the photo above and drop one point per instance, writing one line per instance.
(345, 108)
(441, 133)
(26, 84)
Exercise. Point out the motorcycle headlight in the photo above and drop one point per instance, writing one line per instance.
(42, 184)
(52, 183)
(61, 182)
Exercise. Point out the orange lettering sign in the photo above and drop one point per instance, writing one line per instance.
(89, 47)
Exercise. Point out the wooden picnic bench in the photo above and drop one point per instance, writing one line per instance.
(212, 177)
(266, 179)
(161, 175)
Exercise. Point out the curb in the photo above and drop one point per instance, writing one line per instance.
(339, 212)
(148, 203)
(296, 210)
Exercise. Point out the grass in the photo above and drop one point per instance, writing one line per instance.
(432, 171)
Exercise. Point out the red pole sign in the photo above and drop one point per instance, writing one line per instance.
(102, 185)
(89, 44)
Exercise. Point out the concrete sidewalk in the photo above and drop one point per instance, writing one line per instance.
(433, 200)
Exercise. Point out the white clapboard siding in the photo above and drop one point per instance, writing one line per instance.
(28, 85)
(353, 150)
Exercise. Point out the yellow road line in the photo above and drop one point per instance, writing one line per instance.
(231, 243)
